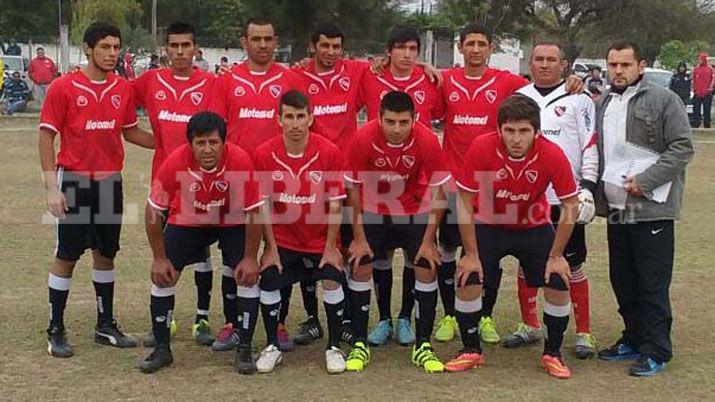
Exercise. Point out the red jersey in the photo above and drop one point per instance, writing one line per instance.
(170, 102)
(196, 197)
(334, 98)
(301, 188)
(248, 101)
(425, 95)
(89, 117)
(512, 193)
(471, 107)
(396, 180)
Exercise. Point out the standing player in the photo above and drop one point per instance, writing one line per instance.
(207, 189)
(302, 177)
(90, 110)
(567, 120)
(171, 96)
(511, 171)
(396, 168)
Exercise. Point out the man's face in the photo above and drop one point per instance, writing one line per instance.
(596, 73)
(476, 50)
(207, 149)
(105, 53)
(327, 50)
(396, 126)
(518, 137)
(546, 65)
(295, 122)
(16, 77)
(260, 43)
(180, 50)
(40, 53)
(404, 54)
(623, 68)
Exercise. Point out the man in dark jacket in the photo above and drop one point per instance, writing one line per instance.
(16, 93)
(681, 83)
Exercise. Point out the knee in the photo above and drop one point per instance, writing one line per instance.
(101, 262)
(424, 275)
(469, 292)
(557, 297)
(362, 274)
(63, 268)
(330, 284)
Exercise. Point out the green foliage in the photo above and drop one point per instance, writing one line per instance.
(125, 14)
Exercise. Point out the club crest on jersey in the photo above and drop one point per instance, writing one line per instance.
(408, 161)
(531, 176)
(560, 110)
(239, 91)
(195, 187)
(221, 185)
(454, 97)
(196, 98)
(380, 162)
(82, 101)
(116, 101)
(313, 89)
(344, 83)
(502, 174)
(316, 176)
(275, 90)
(420, 97)
(160, 95)
(491, 95)
(277, 175)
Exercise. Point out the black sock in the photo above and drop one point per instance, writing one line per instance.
(162, 308)
(204, 284)
(555, 328)
(445, 278)
(104, 289)
(408, 293)
(382, 278)
(360, 308)
(490, 299)
(468, 314)
(286, 293)
(59, 289)
(310, 300)
(247, 301)
(347, 321)
(270, 310)
(426, 297)
(334, 302)
(228, 292)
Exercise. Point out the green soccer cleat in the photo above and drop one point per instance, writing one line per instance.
(425, 358)
(201, 333)
(446, 329)
(487, 331)
(585, 347)
(358, 358)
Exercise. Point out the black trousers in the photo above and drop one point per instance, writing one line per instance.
(701, 107)
(640, 257)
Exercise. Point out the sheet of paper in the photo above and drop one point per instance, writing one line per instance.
(628, 160)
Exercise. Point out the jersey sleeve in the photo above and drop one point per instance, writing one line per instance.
(130, 113)
(561, 174)
(587, 139)
(516, 82)
(252, 197)
(435, 163)
(354, 162)
(334, 185)
(466, 175)
(163, 187)
(439, 104)
(140, 89)
(54, 108)
(219, 103)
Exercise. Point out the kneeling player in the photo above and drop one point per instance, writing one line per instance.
(511, 170)
(207, 188)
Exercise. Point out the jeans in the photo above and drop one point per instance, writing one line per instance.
(701, 110)
(40, 91)
(13, 106)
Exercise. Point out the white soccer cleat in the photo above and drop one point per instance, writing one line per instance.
(334, 360)
(270, 357)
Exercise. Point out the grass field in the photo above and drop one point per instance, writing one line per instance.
(94, 373)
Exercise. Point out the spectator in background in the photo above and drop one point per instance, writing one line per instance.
(129, 66)
(681, 83)
(42, 72)
(163, 62)
(13, 49)
(16, 92)
(595, 80)
(703, 81)
(200, 62)
(224, 64)
(153, 62)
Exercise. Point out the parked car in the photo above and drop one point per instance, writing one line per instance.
(657, 76)
(16, 63)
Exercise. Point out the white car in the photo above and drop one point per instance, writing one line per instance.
(660, 77)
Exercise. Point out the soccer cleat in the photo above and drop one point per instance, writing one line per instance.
(425, 358)
(160, 357)
(524, 335)
(346, 334)
(555, 367)
(201, 332)
(226, 340)
(285, 344)
(403, 332)
(108, 333)
(585, 347)
(487, 331)
(148, 341)
(618, 352)
(270, 357)
(309, 331)
(466, 359)
(57, 345)
(645, 367)
(446, 329)
(381, 333)
(358, 358)
(334, 360)
(244, 360)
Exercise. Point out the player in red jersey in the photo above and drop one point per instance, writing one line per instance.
(90, 110)
(506, 176)
(396, 168)
(170, 97)
(248, 96)
(204, 190)
(302, 178)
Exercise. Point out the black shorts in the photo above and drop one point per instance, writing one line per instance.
(449, 228)
(575, 251)
(531, 247)
(187, 245)
(385, 233)
(298, 266)
(94, 218)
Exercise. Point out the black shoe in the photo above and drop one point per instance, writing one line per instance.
(346, 334)
(618, 352)
(309, 331)
(160, 357)
(108, 333)
(244, 360)
(57, 344)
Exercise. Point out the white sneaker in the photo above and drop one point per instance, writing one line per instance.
(335, 360)
(270, 357)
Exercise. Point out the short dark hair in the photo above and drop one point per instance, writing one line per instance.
(181, 28)
(258, 21)
(224, 58)
(329, 30)
(626, 44)
(98, 31)
(402, 34)
(294, 98)
(562, 55)
(40, 48)
(519, 107)
(203, 123)
(397, 101)
(475, 28)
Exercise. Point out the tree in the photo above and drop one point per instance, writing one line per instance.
(125, 14)
(503, 17)
(672, 53)
(28, 19)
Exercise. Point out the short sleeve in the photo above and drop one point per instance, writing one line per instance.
(252, 197)
(334, 185)
(354, 163)
(140, 89)
(130, 111)
(54, 108)
(219, 103)
(516, 82)
(435, 163)
(466, 176)
(561, 174)
(163, 187)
